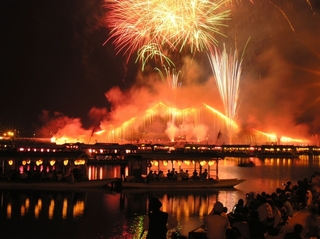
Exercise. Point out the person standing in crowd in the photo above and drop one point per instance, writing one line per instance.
(157, 222)
(216, 224)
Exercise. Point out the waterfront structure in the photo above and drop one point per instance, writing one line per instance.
(41, 164)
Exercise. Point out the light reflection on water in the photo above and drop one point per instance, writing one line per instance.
(105, 214)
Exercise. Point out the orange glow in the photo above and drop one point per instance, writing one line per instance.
(99, 132)
(64, 208)
(78, 209)
(185, 124)
(51, 209)
(79, 162)
(9, 210)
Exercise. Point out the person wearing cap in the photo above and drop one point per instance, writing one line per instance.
(157, 222)
(215, 223)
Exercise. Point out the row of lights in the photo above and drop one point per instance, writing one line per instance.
(186, 162)
(52, 162)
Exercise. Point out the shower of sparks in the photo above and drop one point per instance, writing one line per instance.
(284, 15)
(171, 77)
(151, 51)
(227, 70)
(170, 24)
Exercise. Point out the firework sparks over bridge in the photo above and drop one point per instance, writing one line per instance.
(171, 40)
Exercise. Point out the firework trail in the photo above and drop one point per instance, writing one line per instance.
(170, 24)
(172, 77)
(151, 51)
(227, 70)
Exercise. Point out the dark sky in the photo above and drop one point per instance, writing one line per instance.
(53, 59)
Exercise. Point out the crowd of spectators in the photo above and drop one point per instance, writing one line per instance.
(262, 215)
(176, 175)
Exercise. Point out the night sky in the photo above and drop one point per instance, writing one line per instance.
(53, 60)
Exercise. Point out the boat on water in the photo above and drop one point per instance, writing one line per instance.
(246, 162)
(148, 171)
(183, 184)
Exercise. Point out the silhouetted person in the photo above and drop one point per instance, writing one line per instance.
(195, 175)
(150, 176)
(157, 222)
(296, 234)
(215, 223)
(204, 175)
(256, 227)
(122, 172)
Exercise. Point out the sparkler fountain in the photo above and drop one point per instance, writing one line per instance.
(227, 70)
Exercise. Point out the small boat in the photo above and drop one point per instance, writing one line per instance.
(246, 162)
(141, 166)
(183, 184)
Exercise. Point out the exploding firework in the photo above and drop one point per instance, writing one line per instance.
(170, 24)
(162, 31)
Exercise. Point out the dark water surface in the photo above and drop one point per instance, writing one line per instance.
(102, 214)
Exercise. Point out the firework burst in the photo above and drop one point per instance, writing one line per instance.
(170, 24)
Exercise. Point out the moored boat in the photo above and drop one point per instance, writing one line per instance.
(184, 184)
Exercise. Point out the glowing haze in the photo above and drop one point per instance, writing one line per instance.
(278, 96)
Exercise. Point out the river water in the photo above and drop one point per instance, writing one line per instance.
(105, 214)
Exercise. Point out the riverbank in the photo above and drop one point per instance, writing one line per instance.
(299, 217)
